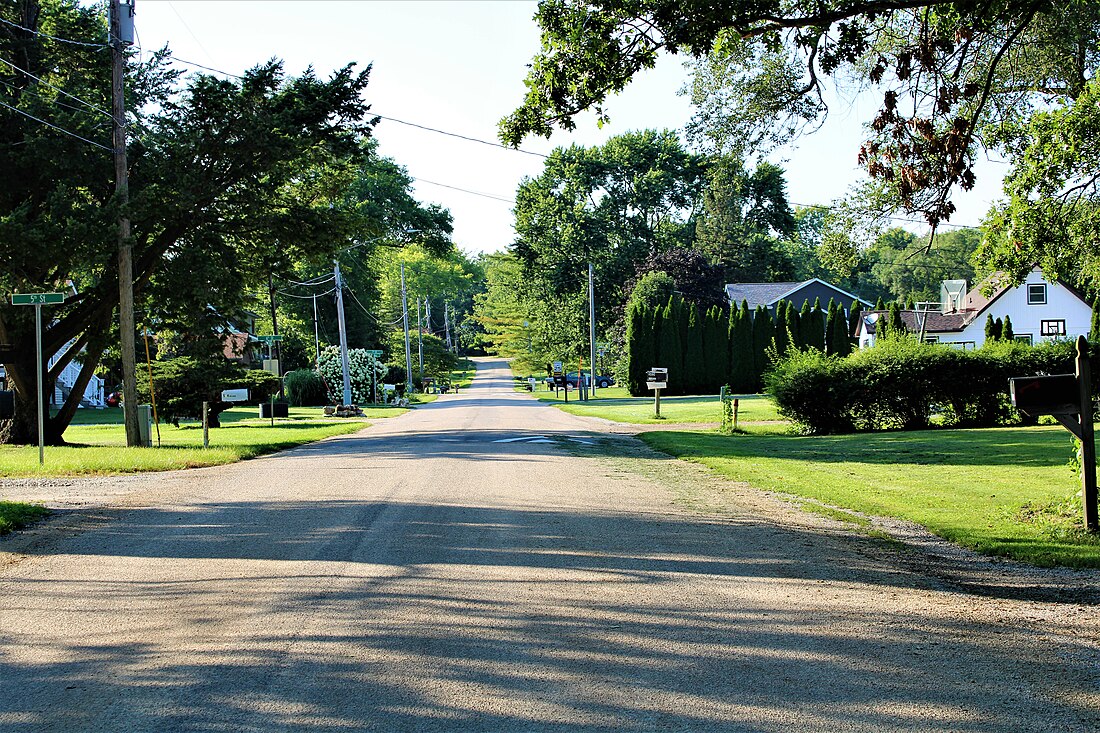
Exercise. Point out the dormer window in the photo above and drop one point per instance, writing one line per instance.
(1037, 294)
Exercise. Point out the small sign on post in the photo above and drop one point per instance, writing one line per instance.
(656, 380)
(1068, 398)
(38, 300)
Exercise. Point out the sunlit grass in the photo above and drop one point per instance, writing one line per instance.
(16, 515)
(100, 447)
(1001, 492)
(616, 404)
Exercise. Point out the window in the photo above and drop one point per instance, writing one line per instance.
(931, 339)
(1037, 294)
(1024, 337)
(1053, 328)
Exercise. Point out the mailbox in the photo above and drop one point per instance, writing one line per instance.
(657, 378)
(1056, 394)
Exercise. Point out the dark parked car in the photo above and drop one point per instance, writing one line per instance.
(602, 380)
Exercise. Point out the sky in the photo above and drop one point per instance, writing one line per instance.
(458, 66)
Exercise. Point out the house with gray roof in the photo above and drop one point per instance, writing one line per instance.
(1040, 310)
(798, 293)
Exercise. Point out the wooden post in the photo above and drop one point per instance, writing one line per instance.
(128, 345)
(205, 424)
(657, 403)
(735, 405)
(1088, 440)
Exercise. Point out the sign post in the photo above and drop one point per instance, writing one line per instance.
(656, 380)
(377, 354)
(38, 300)
(1068, 398)
(559, 379)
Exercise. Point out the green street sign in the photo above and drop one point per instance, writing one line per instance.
(376, 353)
(269, 339)
(37, 298)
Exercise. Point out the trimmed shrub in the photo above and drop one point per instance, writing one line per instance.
(304, 387)
(902, 384)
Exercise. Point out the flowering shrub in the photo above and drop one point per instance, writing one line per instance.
(360, 366)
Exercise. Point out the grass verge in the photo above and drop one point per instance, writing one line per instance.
(1005, 492)
(99, 448)
(17, 515)
(616, 404)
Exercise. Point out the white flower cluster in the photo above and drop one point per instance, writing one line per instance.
(360, 366)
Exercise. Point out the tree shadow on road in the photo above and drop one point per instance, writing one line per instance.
(380, 615)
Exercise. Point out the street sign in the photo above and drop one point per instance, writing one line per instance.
(270, 339)
(559, 369)
(37, 298)
(376, 353)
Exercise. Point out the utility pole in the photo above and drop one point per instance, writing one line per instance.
(447, 324)
(276, 349)
(405, 319)
(420, 338)
(316, 336)
(118, 39)
(592, 327)
(343, 332)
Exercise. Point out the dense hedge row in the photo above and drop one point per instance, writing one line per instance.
(902, 383)
(704, 350)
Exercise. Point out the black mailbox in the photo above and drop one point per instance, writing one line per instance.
(7, 404)
(1056, 394)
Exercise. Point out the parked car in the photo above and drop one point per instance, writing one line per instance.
(603, 381)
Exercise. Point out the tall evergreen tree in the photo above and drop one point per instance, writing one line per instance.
(639, 347)
(855, 315)
(816, 335)
(880, 305)
(842, 340)
(805, 325)
(717, 346)
(993, 328)
(741, 374)
(656, 320)
(762, 333)
(1094, 326)
(694, 351)
(672, 351)
(781, 330)
(830, 328)
(1006, 332)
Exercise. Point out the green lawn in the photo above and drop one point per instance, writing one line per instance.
(97, 442)
(1002, 492)
(616, 404)
(16, 515)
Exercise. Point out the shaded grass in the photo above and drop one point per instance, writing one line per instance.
(615, 404)
(100, 448)
(1005, 492)
(17, 515)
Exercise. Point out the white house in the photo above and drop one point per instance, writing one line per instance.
(1040, 310)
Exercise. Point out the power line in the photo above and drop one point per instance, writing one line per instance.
(465, 190)
(59, 90)
(461, 137)
(306, 297)
(55, 127)
(52, 38)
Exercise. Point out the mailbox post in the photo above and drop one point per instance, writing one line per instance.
(656, 380)
(1068, 398)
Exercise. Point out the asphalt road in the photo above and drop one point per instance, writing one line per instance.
(487, 563)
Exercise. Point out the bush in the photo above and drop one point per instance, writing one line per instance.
(305, 387)
(903, 384)
(360, 367)
(182, 384)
